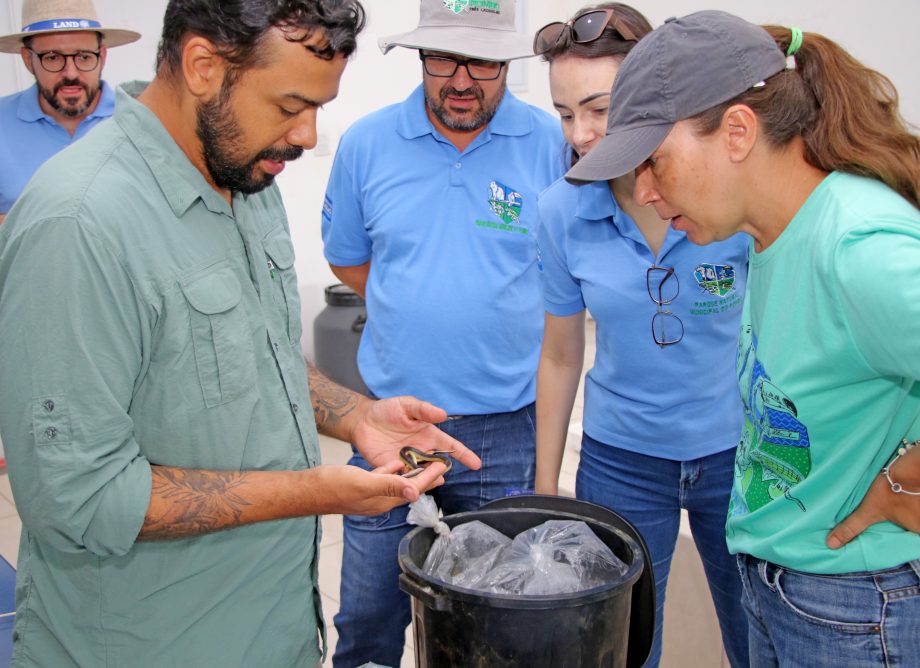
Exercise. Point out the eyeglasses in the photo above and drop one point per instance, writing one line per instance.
(584, 28)
(663, 287)
(52, 61)
(480, 70)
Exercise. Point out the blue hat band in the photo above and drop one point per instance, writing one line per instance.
(62, 24)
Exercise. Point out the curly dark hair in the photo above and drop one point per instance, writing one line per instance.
(238, 27)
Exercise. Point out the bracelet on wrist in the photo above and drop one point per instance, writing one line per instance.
(903, 449)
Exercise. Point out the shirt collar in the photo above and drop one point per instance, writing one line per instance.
(179, 180)
(30, 109)
(512, 118)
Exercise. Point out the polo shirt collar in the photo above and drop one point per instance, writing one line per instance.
(179, 180)
(596, 203)
(31, 111)
(512, 118)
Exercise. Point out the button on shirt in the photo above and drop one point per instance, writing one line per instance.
(142, 325)
(29, 136)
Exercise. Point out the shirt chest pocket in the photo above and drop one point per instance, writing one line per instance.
(221, 335)
(280, 257)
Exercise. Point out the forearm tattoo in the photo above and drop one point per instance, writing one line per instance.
(198, 502)
(331, 402)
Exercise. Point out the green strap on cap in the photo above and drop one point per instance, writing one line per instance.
(795, 42)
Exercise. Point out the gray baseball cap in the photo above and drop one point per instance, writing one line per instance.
(480, 29)
(682, 68)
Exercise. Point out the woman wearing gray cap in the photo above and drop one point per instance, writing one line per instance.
(662, 416)
(785, 136)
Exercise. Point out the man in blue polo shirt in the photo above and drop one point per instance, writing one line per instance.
(430, 213)
(63, 45)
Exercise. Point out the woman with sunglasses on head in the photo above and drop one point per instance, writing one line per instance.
(825, 511)
(662, 413)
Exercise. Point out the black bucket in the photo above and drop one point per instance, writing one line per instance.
(458, 627)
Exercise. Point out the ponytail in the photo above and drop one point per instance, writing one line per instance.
(846, 114)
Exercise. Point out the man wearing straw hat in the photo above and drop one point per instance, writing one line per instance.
(430, 213)
(63, 44)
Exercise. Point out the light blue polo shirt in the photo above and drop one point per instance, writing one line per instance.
(453, 295)
(29, 136)
(680, 402)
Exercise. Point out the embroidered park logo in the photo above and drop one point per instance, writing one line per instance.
(716, 279)
(505, 202)
(457, 6)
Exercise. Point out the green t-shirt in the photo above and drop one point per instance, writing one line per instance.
(829, 371)
(146, 321)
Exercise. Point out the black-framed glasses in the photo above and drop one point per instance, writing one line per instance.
(663, 288)
(480, 70)
(54, 61)
(583, 28)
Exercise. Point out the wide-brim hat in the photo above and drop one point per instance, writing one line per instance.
(481, 29)
(45, 17)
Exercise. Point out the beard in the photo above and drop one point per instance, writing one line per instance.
(463, 122)
(70, 106)
(222, 142)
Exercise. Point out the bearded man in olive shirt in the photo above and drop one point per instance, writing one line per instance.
(154, 396)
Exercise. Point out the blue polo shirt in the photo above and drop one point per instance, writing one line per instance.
(29, 136)
(453, 297)
(679, 402)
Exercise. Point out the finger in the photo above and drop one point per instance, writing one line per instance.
(423, 411)
(849, 528)
(432, 476)
(394, 466)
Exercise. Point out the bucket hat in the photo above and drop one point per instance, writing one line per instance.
(44, 17)
(480, 29)
(681, 69)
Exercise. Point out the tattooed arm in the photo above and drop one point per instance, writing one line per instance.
(333, 405)
(187, 502)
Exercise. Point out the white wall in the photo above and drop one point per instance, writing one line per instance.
(881, 35)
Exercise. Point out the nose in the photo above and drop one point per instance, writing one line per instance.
(644, 192)
(582, 134)
(304, 133)
(70, 70)
(461, 80)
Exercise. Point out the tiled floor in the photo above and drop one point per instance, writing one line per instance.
(690, 628)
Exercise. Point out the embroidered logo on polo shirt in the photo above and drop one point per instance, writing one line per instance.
(457, 6)
(505, 202)
(716, 279)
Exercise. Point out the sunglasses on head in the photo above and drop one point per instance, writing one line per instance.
(583, 28)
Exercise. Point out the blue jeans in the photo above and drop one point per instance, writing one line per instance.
(826, 621)
(650, 492)
(374, 613)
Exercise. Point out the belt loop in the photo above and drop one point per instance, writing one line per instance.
(915, 565)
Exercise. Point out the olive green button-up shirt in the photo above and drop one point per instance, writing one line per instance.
(143, 320)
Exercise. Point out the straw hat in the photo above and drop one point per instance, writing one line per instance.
(43, 17)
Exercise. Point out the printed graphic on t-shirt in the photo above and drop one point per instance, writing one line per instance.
(774, 454)
(506, 203)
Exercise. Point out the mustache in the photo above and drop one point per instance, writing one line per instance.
(280, 154)
(70, 82)
(474, 90)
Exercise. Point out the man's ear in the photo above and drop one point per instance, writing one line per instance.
(203, 68)
(27, 59)
(739, 129)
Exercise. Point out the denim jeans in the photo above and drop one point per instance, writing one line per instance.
(373, 613)
(855, 620)
(650, 492)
